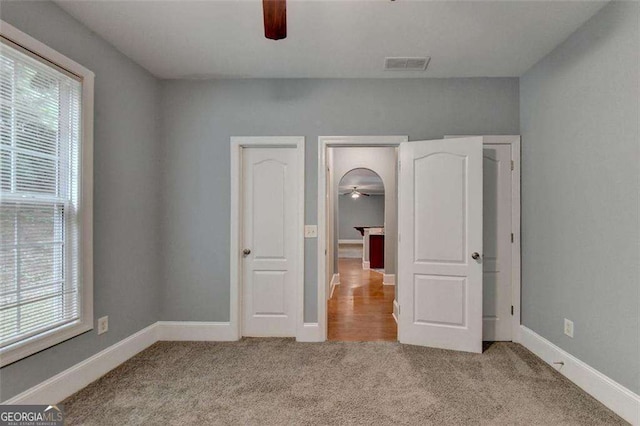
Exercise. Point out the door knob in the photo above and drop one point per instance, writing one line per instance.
(475, 255)
(246, 252)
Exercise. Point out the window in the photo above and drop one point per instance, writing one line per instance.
(45, 197)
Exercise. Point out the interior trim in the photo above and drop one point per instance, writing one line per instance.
(235, 271)
(71, 380)
(618, 398)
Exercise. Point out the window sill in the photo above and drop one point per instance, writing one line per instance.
(42, 341)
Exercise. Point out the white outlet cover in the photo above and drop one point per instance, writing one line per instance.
(103, 325)
(568, 327)
(311, 231)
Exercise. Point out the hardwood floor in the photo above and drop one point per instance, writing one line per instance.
(361, 307)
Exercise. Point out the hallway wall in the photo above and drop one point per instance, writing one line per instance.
(363, 211)
(383, 161)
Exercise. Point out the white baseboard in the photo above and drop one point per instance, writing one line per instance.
(365, 265)
(350, 241)
(619, 399)
(196, 331)
(396, 309)
(310, 332)
(335, 280)
(389, 279)
(73, 379)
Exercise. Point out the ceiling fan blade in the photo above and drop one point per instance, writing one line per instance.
(366, 195)
(275, 19)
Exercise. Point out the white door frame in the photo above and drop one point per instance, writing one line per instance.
(325, 142)
(514, 141)
(235, 271)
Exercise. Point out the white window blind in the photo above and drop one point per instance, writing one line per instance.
(40, 116)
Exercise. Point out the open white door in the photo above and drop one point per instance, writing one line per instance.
(440, 243)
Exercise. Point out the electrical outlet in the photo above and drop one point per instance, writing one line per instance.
(103, 325)
(568, 327)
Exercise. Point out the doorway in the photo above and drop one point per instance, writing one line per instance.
(369, 293)
(360, 305)
(499, 316)
(360, 218)
(501, 238)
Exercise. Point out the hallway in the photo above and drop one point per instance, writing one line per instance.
(361, 307)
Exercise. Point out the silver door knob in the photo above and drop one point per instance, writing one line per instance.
(246, 252)
(475, 255)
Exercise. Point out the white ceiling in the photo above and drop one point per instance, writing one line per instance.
(365, 180)
(333, 38)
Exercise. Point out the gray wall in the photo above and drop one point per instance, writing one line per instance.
(126, 192)
(365, 211)
(580, 230)
(580, 175)
(198, 118)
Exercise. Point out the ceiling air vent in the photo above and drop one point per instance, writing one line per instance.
(406, 64)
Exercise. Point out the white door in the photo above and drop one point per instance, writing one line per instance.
(496, 263)
(270, 228)
(440, 243)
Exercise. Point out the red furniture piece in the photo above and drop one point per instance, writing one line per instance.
(376, 251)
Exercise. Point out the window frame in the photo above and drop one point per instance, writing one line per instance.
(30, 345)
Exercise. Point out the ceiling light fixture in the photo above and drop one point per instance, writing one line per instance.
(354, 193)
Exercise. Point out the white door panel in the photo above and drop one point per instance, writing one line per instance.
(269, 206)
(439, 208)
(440, 217)
(497, 242)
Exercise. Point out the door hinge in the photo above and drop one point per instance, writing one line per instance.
(511, 309)
(513, 165)
(512, 237)
(325, 252)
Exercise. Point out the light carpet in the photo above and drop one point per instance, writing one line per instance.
(282, 382)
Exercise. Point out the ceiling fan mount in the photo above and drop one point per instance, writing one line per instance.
(275, 19)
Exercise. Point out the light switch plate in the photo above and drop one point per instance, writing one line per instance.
(311, 231)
